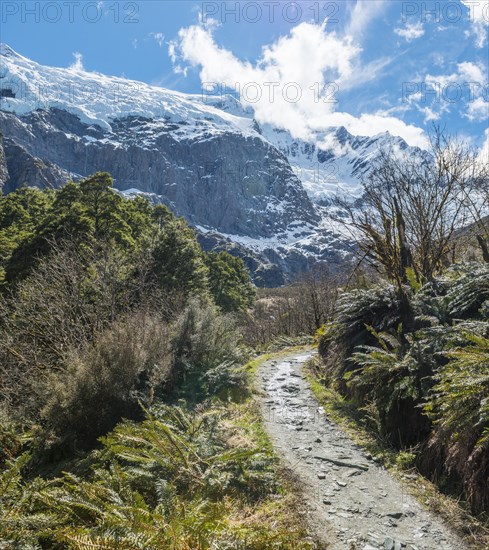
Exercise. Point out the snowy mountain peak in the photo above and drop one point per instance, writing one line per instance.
(99, 99)
(7, 51)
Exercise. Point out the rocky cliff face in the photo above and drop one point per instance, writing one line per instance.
(229, 182)
(4, 175)
(21, 168)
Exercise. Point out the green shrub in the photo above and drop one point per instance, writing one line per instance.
(405, 460)
(170, 481)
(104, 381)
(469, 292)
(206, 347)
(459, 401)
(229, 282)
(356, 311)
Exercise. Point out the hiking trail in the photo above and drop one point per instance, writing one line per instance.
(352, 503)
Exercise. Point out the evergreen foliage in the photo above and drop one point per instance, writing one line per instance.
(96, 289)
(110, 314)
(229, 282)
(170, 481)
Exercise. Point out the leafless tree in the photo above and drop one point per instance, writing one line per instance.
(410, 210)
(475, 196)
(297, 309)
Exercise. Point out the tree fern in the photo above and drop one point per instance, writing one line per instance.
(385, 374)
(469, 292)
(459, 402)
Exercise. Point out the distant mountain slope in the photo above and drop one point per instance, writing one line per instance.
(334, 161)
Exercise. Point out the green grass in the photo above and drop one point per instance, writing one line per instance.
(253, 366)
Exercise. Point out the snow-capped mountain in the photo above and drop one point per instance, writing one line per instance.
(333, 162)
(242, 186)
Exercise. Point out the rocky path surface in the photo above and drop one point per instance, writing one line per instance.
(352, 503)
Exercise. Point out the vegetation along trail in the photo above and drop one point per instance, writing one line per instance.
(352, 502)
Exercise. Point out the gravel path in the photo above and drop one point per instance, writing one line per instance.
(352, 503)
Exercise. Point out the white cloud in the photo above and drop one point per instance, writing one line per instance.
(362, 14)
(479, 16)
(173, 55)
(134, 43)
(364, 73)
(430, 115)
(159, 37)
(78, 64)
(172, 51)
(283, 89)
(471, 72)
(478, 110)
(280, 75)
(463, 89)
(330, 143)
(411, 31)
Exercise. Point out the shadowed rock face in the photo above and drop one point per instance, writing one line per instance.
(19, 166)
(230, 182)
(4, 176)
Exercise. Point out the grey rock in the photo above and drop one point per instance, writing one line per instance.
(395, 515)
(4, 175)
(341, 463)
(227, 181)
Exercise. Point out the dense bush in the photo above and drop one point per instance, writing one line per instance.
(229, 282)
(358, 314)
(108, 379)
(106, 302)
(207, 351)
(429, 386)
(459, 407)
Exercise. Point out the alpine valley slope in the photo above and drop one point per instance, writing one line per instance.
(253, 190)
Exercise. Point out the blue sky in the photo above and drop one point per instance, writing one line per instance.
(374, 65)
